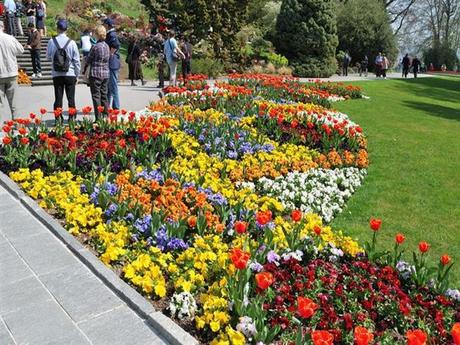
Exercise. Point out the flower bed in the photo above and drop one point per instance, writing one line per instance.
(214, 204)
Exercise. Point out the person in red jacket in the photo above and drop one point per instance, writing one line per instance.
(2, 9)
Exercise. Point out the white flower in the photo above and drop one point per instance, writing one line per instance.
(183, 305)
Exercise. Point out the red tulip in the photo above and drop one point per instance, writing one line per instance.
(43, 136)
(375, 224)
(400, 238)
(296, 215)
(317, 230)
(322, 338)
(264, 280)
(423, 246)
(456, 333)
(22, 131)
(6, 129)
(43, 111)
(363, 336)
(417, 337)
(306, 307)
(445, 259)
(24, 140)
(239, 258)
(240, 227)
(6, 140)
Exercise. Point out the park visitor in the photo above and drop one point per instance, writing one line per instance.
(11, 19)
(346, 63)
(173, 54)
(30, 10)
(40, 16)
(114, 63)
(385, 66)
(10, 48)
(86, 42)
(378, 65)
(416, 66)
(405, 65)
(364, 66)
(187, 49)
(134, 62)
(157, 49)
(98, 63)
(34, 43)
(63, 52)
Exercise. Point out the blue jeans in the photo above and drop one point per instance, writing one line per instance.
(114, 99)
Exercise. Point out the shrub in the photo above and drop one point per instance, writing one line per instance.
(210, 67)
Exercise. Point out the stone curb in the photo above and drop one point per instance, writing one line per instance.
(166, 328)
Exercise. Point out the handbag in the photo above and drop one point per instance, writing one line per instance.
(175, 56)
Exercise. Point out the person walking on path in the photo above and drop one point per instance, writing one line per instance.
(34, 43)
(114, 63)
(134, 62)
(86, 42)
(30, 9)
(385, 66)
(158, 50)
(173, 54)
(346, 63)
(405, 65)
(63, 52)
(10, 48)
(378, 65)
(416, 66)
(10, 14)
(187, 49)
(98, 63)
(364, 67)
(40, 16)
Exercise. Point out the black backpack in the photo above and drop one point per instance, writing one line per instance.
(61, 61)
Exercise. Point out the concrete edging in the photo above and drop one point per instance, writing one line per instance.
(166, 328)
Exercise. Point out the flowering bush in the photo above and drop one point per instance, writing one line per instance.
(213, 203)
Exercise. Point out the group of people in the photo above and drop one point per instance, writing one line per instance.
(408, 63)
(34, 11)
(382, 64)
(102, 60)
(101, 64)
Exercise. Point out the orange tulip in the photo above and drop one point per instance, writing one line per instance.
(239, 258)
(264, 280)
(445, 259)
(296, 215)
(400, 238)
(306, 307)
(456, 333)
(363, 336)
(423, 246)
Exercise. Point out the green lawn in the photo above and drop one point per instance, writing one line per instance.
(413, 128)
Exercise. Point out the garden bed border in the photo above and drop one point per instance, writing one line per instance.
(166, 327)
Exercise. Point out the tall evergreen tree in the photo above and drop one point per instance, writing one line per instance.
(306, 34)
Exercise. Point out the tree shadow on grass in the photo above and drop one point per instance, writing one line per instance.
(440, 89)
(435, 110)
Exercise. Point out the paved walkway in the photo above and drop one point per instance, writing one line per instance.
(47, 296)
(31, 99)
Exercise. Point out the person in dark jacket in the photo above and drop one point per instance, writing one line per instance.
(416, 66)
(134, 62)
(34, 43)
(364, 66)
(98, 60)
(187, 49)
(405, 65)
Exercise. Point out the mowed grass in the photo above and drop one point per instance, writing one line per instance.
(413, 129)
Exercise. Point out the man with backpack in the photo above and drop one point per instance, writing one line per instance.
(65, 57)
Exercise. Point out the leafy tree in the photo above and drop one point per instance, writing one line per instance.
(306, 34)
(364, 28)
(217, 21)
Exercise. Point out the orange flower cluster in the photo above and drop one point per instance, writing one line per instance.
(170, 198)
(335, 159)
(23, 78)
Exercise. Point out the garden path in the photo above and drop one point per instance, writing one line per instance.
(48, 296)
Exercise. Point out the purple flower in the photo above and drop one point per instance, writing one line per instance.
(273, 258)
(111, 188)
(255, 266)
(111, 210)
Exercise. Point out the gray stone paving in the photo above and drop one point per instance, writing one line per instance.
(47, 296)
